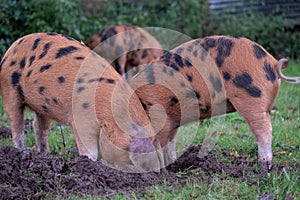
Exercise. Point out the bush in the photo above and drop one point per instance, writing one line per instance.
(83, 18)
(187, 16)
(272, 32)
(192, 17)
(21, 17)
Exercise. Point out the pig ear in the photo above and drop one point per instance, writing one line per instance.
(145, 156)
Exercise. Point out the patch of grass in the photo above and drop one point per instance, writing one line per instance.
(194, 189)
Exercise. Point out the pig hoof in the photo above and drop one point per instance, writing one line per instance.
(265, 167)
(164, 171)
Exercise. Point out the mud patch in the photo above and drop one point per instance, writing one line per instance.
(29, 175)
(211, 164)
(5, 132)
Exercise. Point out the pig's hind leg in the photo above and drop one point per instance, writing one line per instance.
(14, 107)
(41, 125)
(258, 119)
(261, 127)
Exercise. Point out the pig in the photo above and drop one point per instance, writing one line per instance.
(126, 47)
(61, 79)
(207, 77)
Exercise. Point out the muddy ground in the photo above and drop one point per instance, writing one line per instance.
(28, 175)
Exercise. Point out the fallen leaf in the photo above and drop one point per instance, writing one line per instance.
(234, 153)
(280, 152)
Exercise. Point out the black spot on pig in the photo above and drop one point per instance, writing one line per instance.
(45, 67)
(195, 53)
(15, 78)
(179, 51)
(182, 84)
(68, 37)
(190, 48)
(134, 127)
(173, 101)
(226, 76)
(36, 43)
(224, 49)
(41, 90)
(47, 101)
(145, 53)
(150, 74)
(178, 60)
(216, 82)
(119, 50)
(55, 101)
(243, 81)
(95, 80)
(79, 80)
(52, 33)
(189, 77)
(270, 75)
(109, 33)
(80, 89)
(208, 43)
(193, 94)
(187, 62)
(174, 66)
(22, 63)
(65, 51)
(45, 50)
(111, 81)
(166, 58)
(164, 69)
(61, 79)
(79, 57)
(20, 90)
(12, 63)
(254, 91)
(85, 105)
(45, 108)
(259, 52)
(197, 94)
(31, 59)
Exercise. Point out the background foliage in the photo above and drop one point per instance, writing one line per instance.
(83, 18)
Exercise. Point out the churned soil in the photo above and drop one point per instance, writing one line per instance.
(26, 174)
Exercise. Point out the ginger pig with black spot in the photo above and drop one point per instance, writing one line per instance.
(61, 79)
(212, 76)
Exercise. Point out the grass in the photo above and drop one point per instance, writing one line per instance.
(232, 134)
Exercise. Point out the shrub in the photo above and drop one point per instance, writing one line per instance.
(21, 17)
(83, 18)
(273, 32)
(192, 17)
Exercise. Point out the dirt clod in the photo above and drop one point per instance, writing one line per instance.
(5, 132)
